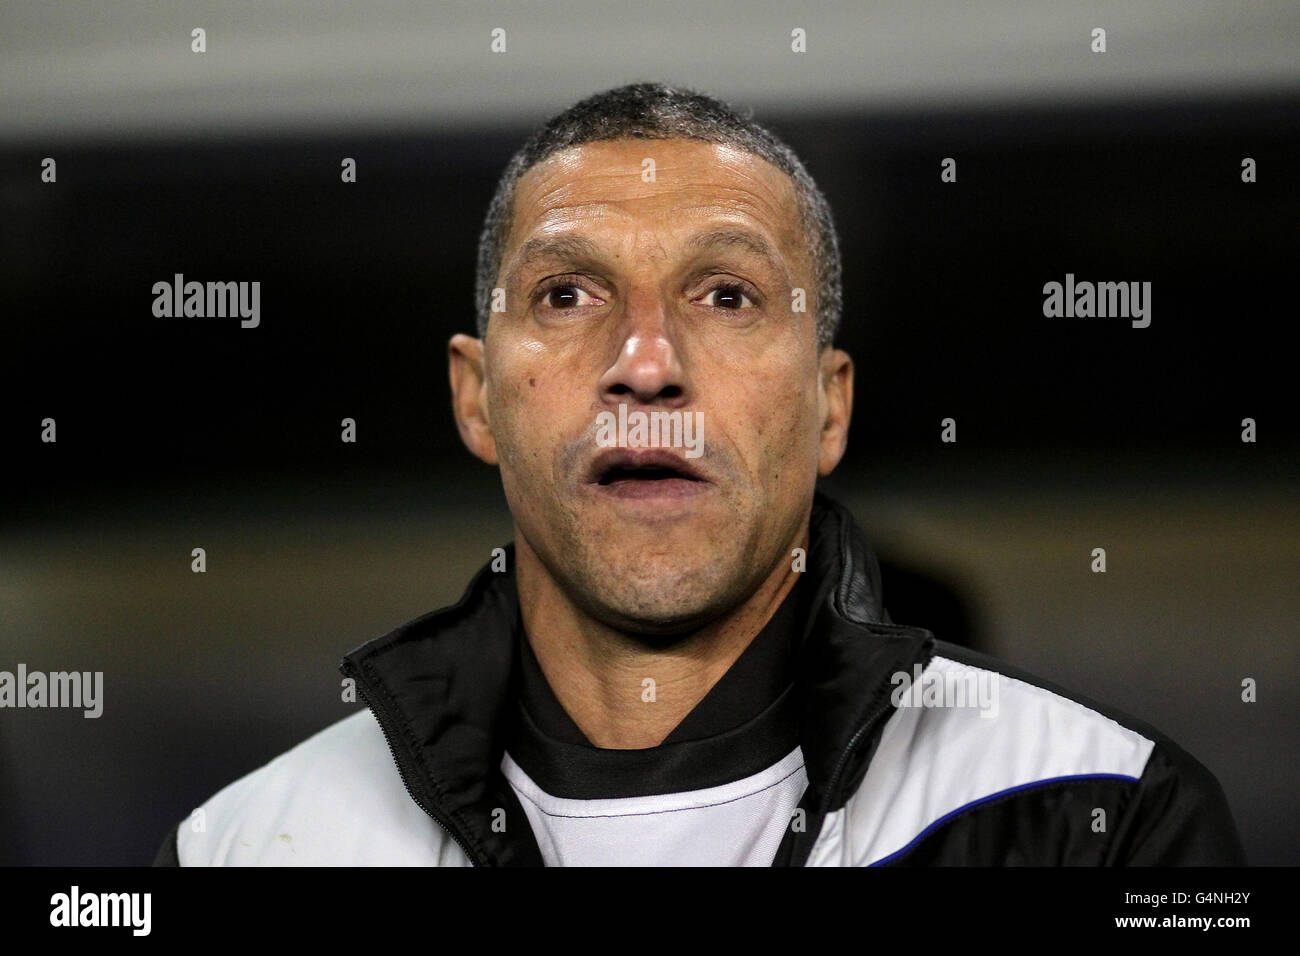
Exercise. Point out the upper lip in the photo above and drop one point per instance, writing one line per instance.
(613, 458)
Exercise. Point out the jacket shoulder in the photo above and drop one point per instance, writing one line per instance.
(336, 799)
(982, 763)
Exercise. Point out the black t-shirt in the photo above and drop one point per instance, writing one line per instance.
(745, 723)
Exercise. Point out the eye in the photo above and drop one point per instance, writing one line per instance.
(730, 295)
(565, 295)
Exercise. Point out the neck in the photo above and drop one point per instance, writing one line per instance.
(601, 675)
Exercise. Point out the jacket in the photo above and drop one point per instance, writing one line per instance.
(901, 770)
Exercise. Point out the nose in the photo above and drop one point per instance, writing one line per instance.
(647, 368)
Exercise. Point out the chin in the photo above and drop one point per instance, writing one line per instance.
(658, 603)
(655, 628)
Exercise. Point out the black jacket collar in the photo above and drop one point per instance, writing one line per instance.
(443, 689)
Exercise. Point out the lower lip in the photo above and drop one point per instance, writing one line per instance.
(644, 489)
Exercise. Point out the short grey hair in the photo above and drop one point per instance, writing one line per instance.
(658, 111)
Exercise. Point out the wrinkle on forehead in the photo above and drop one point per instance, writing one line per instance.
(696, 180)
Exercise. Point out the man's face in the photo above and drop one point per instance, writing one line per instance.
(669, 292)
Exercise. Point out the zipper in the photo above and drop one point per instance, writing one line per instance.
(880, 711)
(852, 745)
(838, 772)
(406, 772)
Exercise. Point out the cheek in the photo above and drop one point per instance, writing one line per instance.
(532, 417)
(785, 403)
(793, 443)
(771, 423)
(796, 431)
(506, 401)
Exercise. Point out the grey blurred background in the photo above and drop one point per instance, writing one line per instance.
(225, 165)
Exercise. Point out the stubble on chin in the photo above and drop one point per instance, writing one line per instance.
(642, 584)
(663, 580)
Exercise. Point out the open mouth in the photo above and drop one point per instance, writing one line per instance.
(616, 475)
(645, 474)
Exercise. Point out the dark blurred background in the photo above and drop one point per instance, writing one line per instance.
(1072, 433)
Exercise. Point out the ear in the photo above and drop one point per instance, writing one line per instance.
(469, 396)
(836, 408)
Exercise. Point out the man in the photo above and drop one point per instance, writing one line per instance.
(684, 657)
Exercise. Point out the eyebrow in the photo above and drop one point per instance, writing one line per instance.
(751, 242)
(579, 248)
(564, 248)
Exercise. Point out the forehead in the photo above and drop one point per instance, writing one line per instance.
(604, 184)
